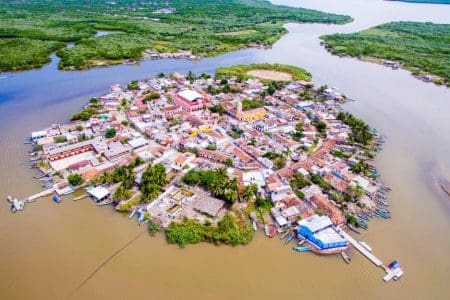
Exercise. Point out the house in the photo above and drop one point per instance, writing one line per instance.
(98, 193)
(319, 232)
(116, 150)
(191, 100)
(208, 205)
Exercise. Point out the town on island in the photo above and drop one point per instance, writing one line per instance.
(216, 158)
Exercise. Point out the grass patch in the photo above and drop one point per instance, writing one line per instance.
(229, 231)
(242, 71)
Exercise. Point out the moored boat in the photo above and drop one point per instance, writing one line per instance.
(270, 230)
(345, 257)
(302, 248)
(289, 238)
(255, 226)
(56, 198)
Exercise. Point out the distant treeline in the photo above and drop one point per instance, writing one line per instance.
(420, 47)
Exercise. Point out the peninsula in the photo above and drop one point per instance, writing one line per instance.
(421, 48)
(216, 158)
(30, 31)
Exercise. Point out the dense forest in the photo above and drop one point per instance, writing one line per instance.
(420, 47)
(30, 30)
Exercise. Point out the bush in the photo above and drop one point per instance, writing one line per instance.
(110, 133)
(228, 231)
(75, 179)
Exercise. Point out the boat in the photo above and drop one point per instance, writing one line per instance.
(132, 214)
(270, 230)
(284, 235)
(289, 238)
(394, 264)
(105, 202)
(16, 205)
(56, 198)
(345, 257)
(255, 226)
(302, 248)
(140, 215)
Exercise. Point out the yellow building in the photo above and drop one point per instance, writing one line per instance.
(249, 115)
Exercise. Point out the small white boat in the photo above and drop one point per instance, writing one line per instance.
(255, 226)
(132, 214)
(345, 257)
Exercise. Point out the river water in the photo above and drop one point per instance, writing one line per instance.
(48, 250)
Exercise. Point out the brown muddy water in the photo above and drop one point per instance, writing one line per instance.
(49, 249)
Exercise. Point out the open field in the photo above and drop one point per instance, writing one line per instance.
(270, 75)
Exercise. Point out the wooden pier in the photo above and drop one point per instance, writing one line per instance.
(377, 262)
(45, 193)
(390, 274)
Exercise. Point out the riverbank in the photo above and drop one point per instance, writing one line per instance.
(405, 44)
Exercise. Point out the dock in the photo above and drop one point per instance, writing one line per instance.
(390, 273)
(44, 193)
(377, 262)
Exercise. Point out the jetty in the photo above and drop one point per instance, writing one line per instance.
(364, 251)
(394, 273)
(44, 193)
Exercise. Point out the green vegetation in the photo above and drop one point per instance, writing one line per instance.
(122, 193)
(215, 181)
(110, 133)
(30, 30)
(217, 109)
(122, 174)
(320, 181)
(236, 133)
(75, 179)
(240, 71)
(321, 127)
(85, 114)
(153, 179)
(279, 163)
(419, 47)
(298, 134)
(60, 139)
(360, 131)
(229, 231)
(152, 96)
(248, 104)
(250, 192)
(23, 54)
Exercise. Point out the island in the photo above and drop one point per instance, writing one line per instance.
(216, 158)
(30, 31)
(421, 48)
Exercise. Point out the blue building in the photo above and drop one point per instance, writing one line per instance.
(319, 231)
